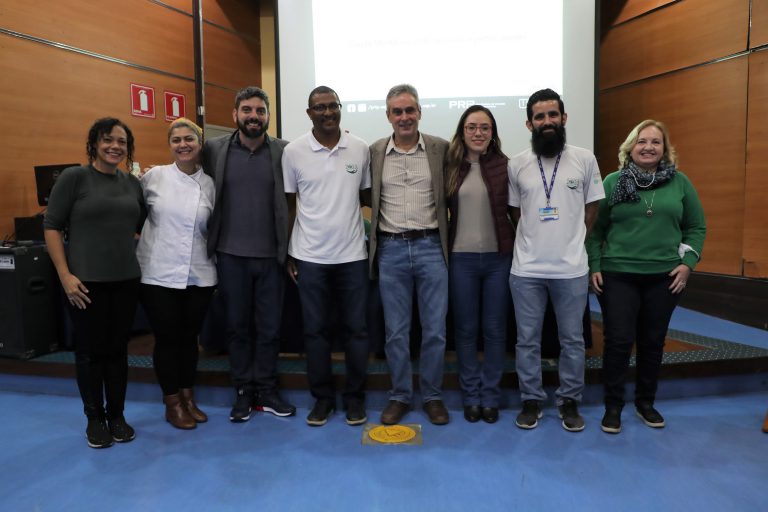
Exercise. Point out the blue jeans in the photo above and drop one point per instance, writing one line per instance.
(479, 293)
(403, 265)
(569, 298)
(321, 287)
(252, 290)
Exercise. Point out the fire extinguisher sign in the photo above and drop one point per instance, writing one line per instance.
(142, 101)
(175, 105)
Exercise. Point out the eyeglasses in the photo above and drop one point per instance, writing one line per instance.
(320, 107)
(472, 128)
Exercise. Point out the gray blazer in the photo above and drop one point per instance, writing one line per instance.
(215, 153)
(437, 150)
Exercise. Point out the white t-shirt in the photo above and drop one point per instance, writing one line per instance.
(329, 223)
(172, 249)
(552, 249)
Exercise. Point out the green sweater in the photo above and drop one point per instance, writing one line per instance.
(625, 239)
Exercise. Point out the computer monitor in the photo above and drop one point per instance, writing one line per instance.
(45, 177)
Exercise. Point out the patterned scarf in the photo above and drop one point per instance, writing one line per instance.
(633, 177)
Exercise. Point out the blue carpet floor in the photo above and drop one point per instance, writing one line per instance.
(711, 456)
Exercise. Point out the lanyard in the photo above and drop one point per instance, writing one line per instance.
(548, 191)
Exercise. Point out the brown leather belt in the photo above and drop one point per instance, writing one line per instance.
(409, 235)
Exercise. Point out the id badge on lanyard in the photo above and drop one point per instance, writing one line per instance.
(549, 212)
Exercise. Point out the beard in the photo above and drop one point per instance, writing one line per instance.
(548, 144)
(253, 132)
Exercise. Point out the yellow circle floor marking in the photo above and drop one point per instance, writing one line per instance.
(392, 434)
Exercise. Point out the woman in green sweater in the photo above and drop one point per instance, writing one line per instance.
(646, 241)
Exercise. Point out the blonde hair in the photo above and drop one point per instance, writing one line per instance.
(670, 155)
(183, 122)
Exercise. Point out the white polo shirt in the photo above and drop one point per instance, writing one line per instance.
(552, 249)
(329, 223)
(172, 249)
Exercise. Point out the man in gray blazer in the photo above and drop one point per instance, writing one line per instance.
(409, 249)
(248, 233)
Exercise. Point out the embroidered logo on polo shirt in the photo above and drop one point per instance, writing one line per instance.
(572, 182)
(351, 168)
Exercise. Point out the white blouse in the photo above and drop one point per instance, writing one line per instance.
(172, 249)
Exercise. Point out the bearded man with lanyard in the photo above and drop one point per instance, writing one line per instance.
(554, 189)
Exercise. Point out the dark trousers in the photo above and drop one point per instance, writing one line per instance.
(252, 290)
(344, 285)
(636, 310)
(176, 316)
(101, 333)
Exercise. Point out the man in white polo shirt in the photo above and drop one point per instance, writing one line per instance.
(554, 189)
(329, 170)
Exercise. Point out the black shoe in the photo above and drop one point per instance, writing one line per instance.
(97, 433)
(121, 431)
(530, 415)
(356, 413)
(490, 414)
(569, 413)
(611, 420)
(272, 403)
(472, 413)
(649, 415)
(241, 411)
(319, 414)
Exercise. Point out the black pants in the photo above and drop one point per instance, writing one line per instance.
(636, 309)
(101, 334)
(325, 289)
(252, 290)
(176, 316)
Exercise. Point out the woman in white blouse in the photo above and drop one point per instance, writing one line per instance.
(177, 277)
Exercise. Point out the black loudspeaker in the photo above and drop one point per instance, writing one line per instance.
(30, 303)
(29, 228)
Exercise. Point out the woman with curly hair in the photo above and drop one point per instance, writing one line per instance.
(100, 208)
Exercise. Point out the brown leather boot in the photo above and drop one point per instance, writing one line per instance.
(188, 401)
(176, 414)
(765, 424)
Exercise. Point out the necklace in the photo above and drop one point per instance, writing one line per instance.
(649, 207)
(653, 178)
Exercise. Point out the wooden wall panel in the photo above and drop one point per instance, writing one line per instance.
(47, 110)
(230, 61)
(685, 33)
(219, 104)
(183, 5)
(239, 15)
(756, 179)
(759, 32)
(139, 32)
(705, 110)
(614, 12)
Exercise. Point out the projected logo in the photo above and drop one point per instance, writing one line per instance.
(460, 104)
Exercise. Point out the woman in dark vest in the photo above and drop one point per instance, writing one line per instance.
(480, 242)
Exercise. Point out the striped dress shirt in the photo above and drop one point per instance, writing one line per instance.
(407, 198)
